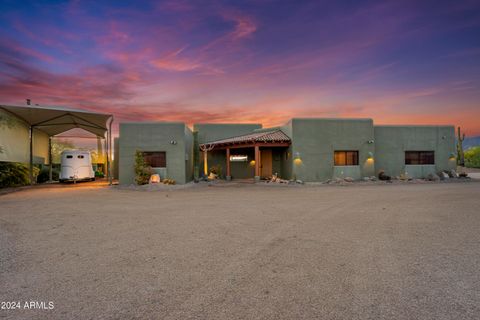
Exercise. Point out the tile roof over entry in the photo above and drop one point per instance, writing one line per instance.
(264, 137)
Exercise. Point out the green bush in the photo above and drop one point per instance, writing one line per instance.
(44, 175)
(472, 157)
(142, 170)
(99, 174)
(13, 174)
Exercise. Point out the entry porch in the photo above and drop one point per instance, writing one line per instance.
(257, 155)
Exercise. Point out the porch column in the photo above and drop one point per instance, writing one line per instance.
(229, 176)
(205, 164)
(257, 163)
(50, 169)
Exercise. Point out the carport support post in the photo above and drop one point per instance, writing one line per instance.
(229, 176)
(257, 163)
(50, 177)
(31, 155)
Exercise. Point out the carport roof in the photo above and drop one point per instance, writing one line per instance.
(55, 120)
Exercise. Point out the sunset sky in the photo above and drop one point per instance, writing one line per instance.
(398, 62)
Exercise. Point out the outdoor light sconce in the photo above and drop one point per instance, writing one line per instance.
(296, 158)
(370, 141)
(452, 156)
(370, 156)
(173, 142)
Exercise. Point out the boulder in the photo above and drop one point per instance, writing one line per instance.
(453, 174)
(444, 175)
(382, 176)
(348, 179)
(432, 177)
(463, 175)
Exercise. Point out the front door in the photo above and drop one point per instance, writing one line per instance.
(266, 163)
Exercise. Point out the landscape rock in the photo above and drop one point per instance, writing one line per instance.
(453, 174)
(432, 177)
(348, 179)
(382, 176)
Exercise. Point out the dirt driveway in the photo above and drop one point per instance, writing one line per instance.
(243, 252)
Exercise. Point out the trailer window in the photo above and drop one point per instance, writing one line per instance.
(155, 159)
(69, 157)
(80, 156)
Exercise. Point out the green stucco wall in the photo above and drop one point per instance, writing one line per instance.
(315, 140)
(215, 131)
(15, 142)
(391, 142)
(155, 137)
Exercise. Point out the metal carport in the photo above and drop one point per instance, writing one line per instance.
(56, 120)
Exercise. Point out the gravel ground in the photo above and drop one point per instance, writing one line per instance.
(240, 251)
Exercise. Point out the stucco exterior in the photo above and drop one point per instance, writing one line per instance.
(310, 156)
(171, 137)
(391, 142)
(315, 140)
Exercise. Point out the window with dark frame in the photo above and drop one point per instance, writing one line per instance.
(155, 159)
(419, 157)
(346, 158)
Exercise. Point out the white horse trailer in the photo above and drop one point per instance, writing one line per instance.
(76, 165)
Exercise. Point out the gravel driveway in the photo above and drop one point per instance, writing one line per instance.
(243, 252)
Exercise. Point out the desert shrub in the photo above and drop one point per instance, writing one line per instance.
(142, 170)
(44, 175)
(14, 174)
(99, 174)
(472, 157)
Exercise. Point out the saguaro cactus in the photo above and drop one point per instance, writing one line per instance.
(460, 154)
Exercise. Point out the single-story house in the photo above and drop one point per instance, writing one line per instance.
(310, 150)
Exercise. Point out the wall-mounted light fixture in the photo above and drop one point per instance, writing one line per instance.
(370, 158)
(452, 156)
(297, 159)
(173, 142)
(370, 141)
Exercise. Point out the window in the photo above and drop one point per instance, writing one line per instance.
(80, 156)
(419, 157)
(346, 158)
(69, 156)
(238, 158)
(155, 159)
